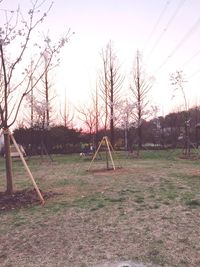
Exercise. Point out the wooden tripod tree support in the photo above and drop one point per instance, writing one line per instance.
(27, 169)
(109, 148)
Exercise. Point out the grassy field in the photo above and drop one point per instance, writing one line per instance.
(147, 211)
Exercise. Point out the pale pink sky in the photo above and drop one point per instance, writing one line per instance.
(167, 32)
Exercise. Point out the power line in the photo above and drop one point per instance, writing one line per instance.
(166, 27)
(185, 37)
(158, 21)
(191, 58)
(193, 74)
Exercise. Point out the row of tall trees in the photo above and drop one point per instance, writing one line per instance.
(115, 110)
(110, 107)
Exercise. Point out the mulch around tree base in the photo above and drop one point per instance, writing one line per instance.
(21, 199)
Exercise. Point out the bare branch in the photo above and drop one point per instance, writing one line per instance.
(32, 25)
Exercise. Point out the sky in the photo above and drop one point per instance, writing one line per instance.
(167, 34)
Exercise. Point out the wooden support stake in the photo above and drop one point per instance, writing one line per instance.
(27, 169)
(95, 154)
(108, 144)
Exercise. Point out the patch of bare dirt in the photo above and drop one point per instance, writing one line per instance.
(21, 199)
(105, 170)
(190, 157)
(117, 171)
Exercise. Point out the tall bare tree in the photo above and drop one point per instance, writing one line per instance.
(111, 84)
(97, 116)
(44, 90)
(140, 87)
(66, 116)
(178, 80)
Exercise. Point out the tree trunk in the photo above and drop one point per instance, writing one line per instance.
(112, 133)
(139, 141)
(96, 120)
(47, 97)
(8, 161)
(140, 137)
(187, 139)
(126, 138)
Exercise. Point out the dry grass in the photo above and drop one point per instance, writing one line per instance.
(148, 211)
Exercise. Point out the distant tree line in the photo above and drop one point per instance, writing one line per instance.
(57, 139)
(160, 132)
(169, 131)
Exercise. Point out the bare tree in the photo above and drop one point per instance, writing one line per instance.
(140, 87)
(90, 115)
(44, 90)
(51, 61)
(111, 83)
(97, 115)
(125, 119)
(39, 113)
(177, 80)
(87, 115)
(14, 85)
(66, 116)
